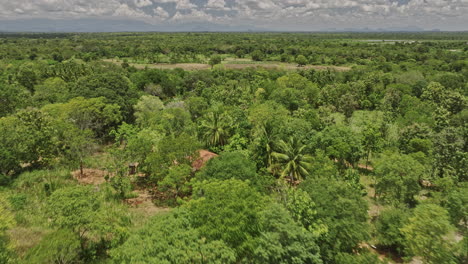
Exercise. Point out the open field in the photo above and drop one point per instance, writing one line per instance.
(231, 65)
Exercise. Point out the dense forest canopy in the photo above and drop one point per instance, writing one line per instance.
(234, 148)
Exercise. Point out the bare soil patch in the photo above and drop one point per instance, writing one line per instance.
(143, 204)
(91, 176)
(205, 156)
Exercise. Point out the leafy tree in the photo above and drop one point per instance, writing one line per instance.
(134, 145)
(296, 84)
(12, 98)
(117, 89)
(449, 154)
(81, 210)
(302, 209)
(27, 76)
(426, 234)
(229, 165)
(93, 114)
(74, 208)
(214, 60)
(397, 178)
(369, 125)
(323, 167)
(171, 239)
(176, 181)
(363, 257)
(388, 226)
(420, 134)
(146, 109)
(283, 240)
(168, 151)
(196, 106)
(257, 55)
(341, 143)
(456, 204)
(301, 60)
(228, 211)
(174, 121)
(292, 159)
(344, 212)
(26, 137)
(434, 92)
(53, 90)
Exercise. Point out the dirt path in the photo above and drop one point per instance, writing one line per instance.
(231, 66)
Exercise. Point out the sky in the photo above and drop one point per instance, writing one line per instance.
(284, 15)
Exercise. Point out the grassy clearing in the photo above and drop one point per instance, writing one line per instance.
(231, 65)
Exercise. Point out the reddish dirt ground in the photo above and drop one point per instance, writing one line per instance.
(205, 156)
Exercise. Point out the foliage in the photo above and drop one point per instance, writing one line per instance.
(171, 239)
(6, 222)
(215, 59)
(426, 234)
(82, 210)
(73, 208)
(292, 160)
(339, 142)
(116, 88)
(227, 210)
(229, 165)
(343, 211)
(363, 117)
(457, 205)
(301, 60)
(283, 240)
(26, 137)
(303, 210)
(170, 150)
(61, 246)
(397, 178)
(215, 128)
(177, 181)
(93, 114)
(388, 226)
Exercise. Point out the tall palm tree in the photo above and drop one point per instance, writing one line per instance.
(266, 136)
(216, 128)
(292, 159)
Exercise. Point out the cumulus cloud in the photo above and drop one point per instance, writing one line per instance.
(161, 13)
(281, 14)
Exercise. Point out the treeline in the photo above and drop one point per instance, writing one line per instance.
(308, 166)
(323, 49)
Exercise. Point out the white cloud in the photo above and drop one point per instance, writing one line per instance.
(184, 4)
(143, 3)
(125, 11)
(216, 4)
(161, 13)
(193, 15)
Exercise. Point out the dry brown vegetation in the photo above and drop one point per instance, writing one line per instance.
(231, 66)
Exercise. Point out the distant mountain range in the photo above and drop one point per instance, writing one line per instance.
(119, 25)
